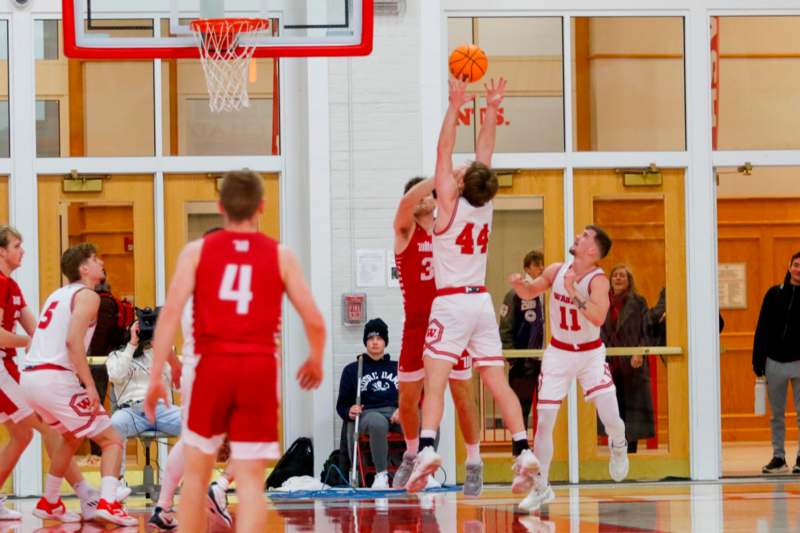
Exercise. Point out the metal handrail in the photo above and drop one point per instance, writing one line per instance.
(613, 352)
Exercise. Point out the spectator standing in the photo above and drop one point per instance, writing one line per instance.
(776, 355)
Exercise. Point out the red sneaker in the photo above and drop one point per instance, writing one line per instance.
(114, 513)
(54, 511)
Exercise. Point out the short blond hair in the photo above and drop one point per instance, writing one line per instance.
(6, 232)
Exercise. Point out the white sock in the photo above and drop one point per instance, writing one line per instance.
(522, 435)
(608, 411)
(223, 483)
(543, 441)
(427, 434)
(52, 488)
(474, 452)
(83, 490)
(412, 446)
(173, 474)
(108, 488)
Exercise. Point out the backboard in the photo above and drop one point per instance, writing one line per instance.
(149, 29)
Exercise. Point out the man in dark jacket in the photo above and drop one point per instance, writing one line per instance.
(522, 328)
(378, 405)
(776, 355)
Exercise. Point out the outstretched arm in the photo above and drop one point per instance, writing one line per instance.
(446, 187)
(404, 218)
(528, 290)
(495, 92)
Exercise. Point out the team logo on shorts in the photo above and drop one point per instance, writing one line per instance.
(81, 404)
(434, 334)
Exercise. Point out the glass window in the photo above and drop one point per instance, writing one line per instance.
(528, 53)
(104, 108)
(47, 128)
(190, 128)
(628, 83)
(756, 102)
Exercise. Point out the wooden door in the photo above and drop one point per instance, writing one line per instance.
(646, 225)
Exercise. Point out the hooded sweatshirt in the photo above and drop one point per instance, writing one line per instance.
(778, 330)
(378, 385)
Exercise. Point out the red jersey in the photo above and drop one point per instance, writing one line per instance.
(415, 272)
(238, 294)
(12, 303)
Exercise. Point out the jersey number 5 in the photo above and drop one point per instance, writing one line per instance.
(466, 242)
(242, 295)
(573, 313)
(47, 316)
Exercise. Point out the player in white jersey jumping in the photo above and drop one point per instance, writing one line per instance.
(54, 369)
(462, 315)
(578, 307)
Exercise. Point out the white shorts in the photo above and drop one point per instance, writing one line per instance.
(13, 404)
(461, 322)
(57, 396)
(559, 367)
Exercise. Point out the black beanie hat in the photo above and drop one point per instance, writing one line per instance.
(378, 327)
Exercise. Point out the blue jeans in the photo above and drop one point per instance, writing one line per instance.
(130, 421)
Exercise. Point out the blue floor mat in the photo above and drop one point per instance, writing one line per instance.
(350, 493)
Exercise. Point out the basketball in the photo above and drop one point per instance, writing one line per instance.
(468, 63)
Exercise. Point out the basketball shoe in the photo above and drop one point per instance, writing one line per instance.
(473, 483)
(525, 467)
(54, 511)
(618, 461)
(6, 513)
(537, 497)
(218, 505)
(404, 471)
(426, 463)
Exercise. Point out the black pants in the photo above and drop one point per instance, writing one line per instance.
(100, 377)
(523, 377)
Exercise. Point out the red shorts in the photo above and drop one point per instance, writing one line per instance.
(235, 395)
(411, 367)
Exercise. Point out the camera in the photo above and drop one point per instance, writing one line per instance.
(147, 323)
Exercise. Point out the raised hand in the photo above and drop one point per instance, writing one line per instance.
(569, 281)
(458, 93)
(495, 92)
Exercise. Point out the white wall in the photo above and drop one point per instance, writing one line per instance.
(375, 149)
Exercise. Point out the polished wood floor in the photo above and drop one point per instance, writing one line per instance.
(765, 505)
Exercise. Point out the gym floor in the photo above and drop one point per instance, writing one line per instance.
(761, 505)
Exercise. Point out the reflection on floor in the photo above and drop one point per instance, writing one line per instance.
(753, 506)
(747, 458)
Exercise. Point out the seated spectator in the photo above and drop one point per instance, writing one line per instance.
(626, 325)
(129, 373)
(522, 328)
(378, 406)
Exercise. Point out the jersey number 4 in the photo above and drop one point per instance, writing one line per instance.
(467, 243)
(242, 294)
(573, 314)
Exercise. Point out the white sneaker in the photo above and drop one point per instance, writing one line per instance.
(218, 505)
(525, 468)
(54, 511)
(89, 507)
(6, 513)
(123, 490)
(432, 483)
(618, 461)
(536, 498)
(381, 481)
(426, 463)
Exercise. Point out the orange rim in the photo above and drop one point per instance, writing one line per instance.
(229, 25)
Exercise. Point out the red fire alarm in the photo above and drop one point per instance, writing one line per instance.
(354, 308)
(128, 243)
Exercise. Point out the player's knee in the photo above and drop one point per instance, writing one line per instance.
(22, 434)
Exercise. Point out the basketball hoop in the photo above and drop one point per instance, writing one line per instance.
(225, 59)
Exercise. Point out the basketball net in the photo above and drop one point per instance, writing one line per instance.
(225, 59)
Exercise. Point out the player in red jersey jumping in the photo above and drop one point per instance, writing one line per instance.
(237, 278)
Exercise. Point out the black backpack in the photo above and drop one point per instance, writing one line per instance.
(297, 461)
(333, 471)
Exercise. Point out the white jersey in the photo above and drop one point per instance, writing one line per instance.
(459, 252)
(567, 323)
(49, 343)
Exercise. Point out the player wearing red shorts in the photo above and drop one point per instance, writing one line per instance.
(462, 314)
(578, 306)
(414, 257)
(237, 278)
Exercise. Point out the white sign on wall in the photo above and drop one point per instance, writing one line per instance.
(371, 267)
(732, 282)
